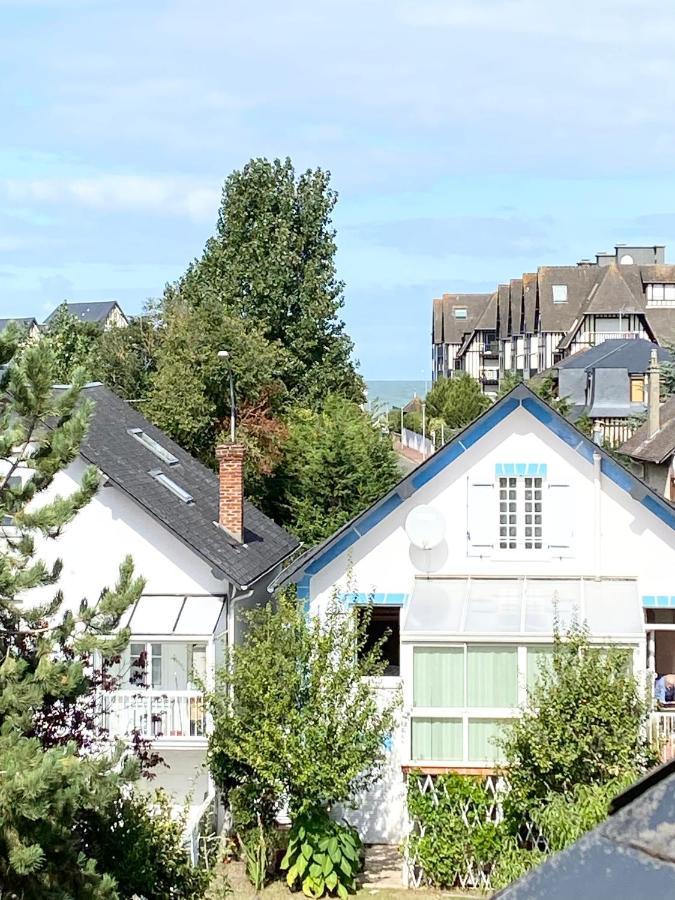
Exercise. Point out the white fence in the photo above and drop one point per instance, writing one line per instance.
(156, 714)
(414, 441)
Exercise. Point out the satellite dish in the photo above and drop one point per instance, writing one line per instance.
(425, 527)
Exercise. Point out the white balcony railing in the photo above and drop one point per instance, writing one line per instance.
(662, 733)
(598, 337)
(174, 715)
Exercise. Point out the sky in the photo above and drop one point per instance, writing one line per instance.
(469, 141)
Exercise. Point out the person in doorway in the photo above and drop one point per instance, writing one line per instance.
(664, 689)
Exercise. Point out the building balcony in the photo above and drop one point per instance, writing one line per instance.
(592, 338)
(662, 733)
(168, 716)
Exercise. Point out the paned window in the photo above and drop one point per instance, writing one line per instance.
(460, 312)
(559, 293)
(660, 294)
(521, 513)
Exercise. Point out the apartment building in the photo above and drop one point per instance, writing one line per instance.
(533, 322)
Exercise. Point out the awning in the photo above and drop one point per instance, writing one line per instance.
(515, 606)
(172, 615)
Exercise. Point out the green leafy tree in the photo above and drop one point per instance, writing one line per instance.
(667, 375)
(336, 463)
(295, 720)
(189, 391)
(457, 401)
(272, 262)
(544, 385)
(583, 725)
(73, 344)
(125, 358)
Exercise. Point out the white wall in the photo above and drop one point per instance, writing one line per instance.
(624, 540)
(94, 544)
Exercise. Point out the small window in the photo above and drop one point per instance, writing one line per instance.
(520, 513)
(559, 293)
(637, 389)
(460, 312)
(171, 485)
(384, 623)
(626, 260)
(152, 445)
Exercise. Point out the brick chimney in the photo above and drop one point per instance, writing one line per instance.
(231, 488)
(653, 392)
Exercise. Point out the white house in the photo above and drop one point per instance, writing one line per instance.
(204, 552)
(525, 518)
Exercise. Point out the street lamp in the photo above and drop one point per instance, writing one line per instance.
(225, 354)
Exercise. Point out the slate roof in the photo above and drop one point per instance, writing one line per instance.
(96, 311)
(315, 558)
(630, 855)
(661, 446)
(24, 322)
(446, 329)
(127, 463)
(632, 354)
(591, 290)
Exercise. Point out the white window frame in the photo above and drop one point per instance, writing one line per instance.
(559, 292)
(461, 312)
(521, 525)
(660, 294)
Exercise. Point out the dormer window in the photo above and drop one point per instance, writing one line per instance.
(460, 312)
(559, 293)
(660, 294)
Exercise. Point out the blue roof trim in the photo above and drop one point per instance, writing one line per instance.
(345, 542)
(651, 601)
(314, 561)
(371, 519)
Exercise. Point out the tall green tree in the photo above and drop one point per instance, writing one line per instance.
(126, 358)
(72, 343)
(272, 262)
(457, 401)
(337, 462)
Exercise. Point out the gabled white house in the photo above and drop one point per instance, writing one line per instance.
(531, 520)
(205, 553)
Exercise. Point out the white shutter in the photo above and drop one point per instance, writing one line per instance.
(559, 512)
(481, 518)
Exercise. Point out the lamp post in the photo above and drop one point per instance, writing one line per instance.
(225, 354)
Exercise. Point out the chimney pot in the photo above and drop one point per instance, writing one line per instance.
(653, 395)
(231, 488)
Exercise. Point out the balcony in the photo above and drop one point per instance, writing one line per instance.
(592, 338)
(169, 716)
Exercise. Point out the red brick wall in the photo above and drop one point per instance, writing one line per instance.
(231, 474)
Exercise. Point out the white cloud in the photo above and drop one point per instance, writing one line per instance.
(119, 193)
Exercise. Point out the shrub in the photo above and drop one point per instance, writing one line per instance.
(323, 856)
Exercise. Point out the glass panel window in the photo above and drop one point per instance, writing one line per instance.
(438, 676)
(658, 292)
(482, 735)
(460, 312)
(559, 293)
(521, 513)
(156, 665)
(492, 676)
(437, 739)
(538, 658)
(637, 389)
(197, 665)
(137, 664)
(669, 292)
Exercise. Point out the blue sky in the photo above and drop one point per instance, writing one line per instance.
(469, 140)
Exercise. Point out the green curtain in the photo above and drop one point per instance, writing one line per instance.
(538, 657)
(438, 676)
(481, 735)
(492, 676)
(437, 739)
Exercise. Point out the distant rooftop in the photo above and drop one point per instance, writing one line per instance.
(632, 354)
(96, 311)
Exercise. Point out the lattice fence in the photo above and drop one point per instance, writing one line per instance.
(472, 873)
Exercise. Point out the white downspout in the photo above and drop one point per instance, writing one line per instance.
(597, 514)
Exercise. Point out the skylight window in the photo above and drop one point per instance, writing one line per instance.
(460, 312)
(171, 485)
(559, 293)
(153, 446)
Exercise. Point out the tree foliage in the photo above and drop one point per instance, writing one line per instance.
(272, 261)
(337, 461)
(583, 725)
(295, 720)
(456, 401)
(58, 767)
